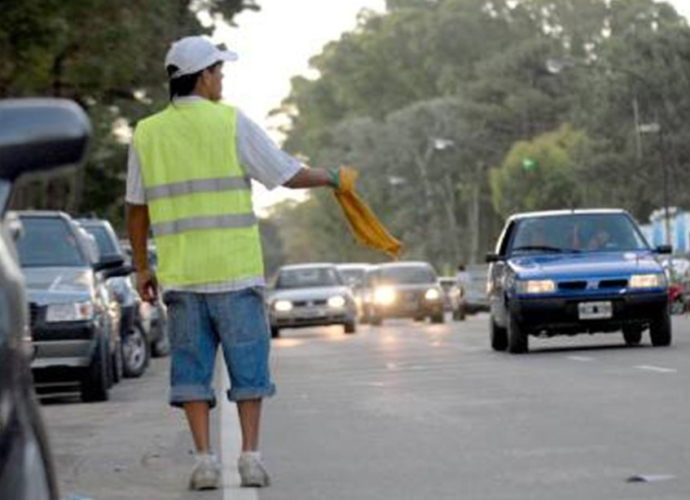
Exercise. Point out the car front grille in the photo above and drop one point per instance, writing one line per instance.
(610, 284)
(310, 303)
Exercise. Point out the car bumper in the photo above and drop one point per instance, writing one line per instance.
(561, 314)
(312, 317)
(69, 344)
(408, 310)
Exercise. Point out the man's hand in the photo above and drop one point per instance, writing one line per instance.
(147, 286)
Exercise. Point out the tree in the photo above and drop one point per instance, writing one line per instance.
(540, 174)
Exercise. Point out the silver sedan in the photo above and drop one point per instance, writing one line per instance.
(310, 295)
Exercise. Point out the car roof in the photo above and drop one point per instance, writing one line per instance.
(410, 263)
(352, 265)
(94, 222)
(43, 213)
(579, 211)
(315, 265)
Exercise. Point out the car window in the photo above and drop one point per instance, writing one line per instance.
(308, 278)
(106, 246)
(353, 277)
(577, 233)
(49, 242)
(407, 275)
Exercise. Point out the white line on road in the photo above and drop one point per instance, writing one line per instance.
(658, 369)
(230, 442)
(585, 359)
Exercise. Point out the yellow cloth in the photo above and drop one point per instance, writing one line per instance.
(365, 226)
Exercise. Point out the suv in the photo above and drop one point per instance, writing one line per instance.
(35, 135)
(405, 290)
(73, 322)
(136, 344)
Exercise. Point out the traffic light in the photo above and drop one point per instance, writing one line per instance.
(529, 164)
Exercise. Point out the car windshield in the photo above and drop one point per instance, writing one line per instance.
(308, 278)
(406, 275)
(48, 242)
(353, 277)
(577, 233)
(105, 244)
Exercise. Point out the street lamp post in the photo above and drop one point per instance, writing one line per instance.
(556, 66)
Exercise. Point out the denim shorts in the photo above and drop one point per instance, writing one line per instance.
(198, 322)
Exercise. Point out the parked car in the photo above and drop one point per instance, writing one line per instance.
(453, 297)
(570, 272)
(310, 295)
(72, 318)
(354, 274)
(405, 290)
(134, 337)
(35, 135)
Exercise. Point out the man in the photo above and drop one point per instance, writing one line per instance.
(188, 182)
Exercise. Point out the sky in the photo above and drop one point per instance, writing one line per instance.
(276, 44)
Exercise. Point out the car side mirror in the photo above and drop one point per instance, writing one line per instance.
(40, 134)
(109, 262)
(494, 257)
(118, 272)
(664, 249)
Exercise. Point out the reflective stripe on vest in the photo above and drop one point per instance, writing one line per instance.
(198, 196)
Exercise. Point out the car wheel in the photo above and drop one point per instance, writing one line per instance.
(632, 334)
(459, 314)
(418, 319)
(499, 337)
(135, 350)
(518, 343)
(660, 330)
(94, 384)
(350, 327)
(275, 332)
(438, 318)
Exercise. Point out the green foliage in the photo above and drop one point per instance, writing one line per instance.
(551, 180)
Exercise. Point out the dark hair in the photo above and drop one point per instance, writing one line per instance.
(184, 85)
(461, 267)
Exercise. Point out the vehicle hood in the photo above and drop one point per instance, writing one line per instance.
(584, 265)
(320, 293)
(56, 285)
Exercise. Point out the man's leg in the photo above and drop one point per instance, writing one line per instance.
(249, 412)
(197, 417)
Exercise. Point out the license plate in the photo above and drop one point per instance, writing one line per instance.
(312, 314)
(595, 310)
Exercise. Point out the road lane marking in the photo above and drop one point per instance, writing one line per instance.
(585, 359)
(657, 369)
(230, 441)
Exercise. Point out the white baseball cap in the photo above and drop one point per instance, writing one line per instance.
(194, 53)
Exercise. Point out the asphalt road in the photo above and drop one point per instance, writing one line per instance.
(411, 411)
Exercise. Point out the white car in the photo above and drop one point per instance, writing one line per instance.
(310, 295)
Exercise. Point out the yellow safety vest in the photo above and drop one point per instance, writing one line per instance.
(198, 195)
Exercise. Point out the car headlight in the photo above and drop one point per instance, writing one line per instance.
(656, 280)
(79, 311)
(432, 294)
(283, 306)
(384, 296)
(336, 302)
(535, 286)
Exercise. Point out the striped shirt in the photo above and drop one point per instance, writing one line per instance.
(263, 162)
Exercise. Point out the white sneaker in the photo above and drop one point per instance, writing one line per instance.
(252, 471)
(206, 473)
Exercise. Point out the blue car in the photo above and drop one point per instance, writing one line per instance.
(576, 271)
